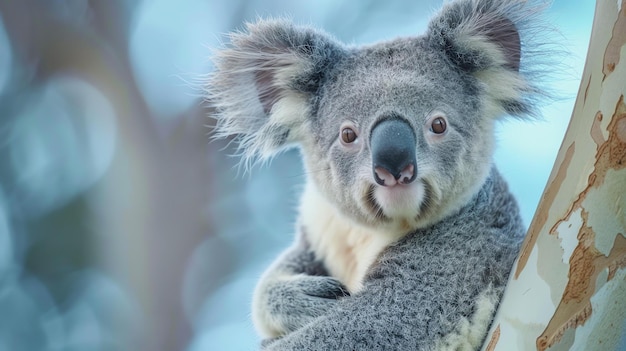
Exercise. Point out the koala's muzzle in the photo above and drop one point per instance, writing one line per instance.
(393, 143)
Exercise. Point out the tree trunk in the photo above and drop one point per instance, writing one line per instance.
(567, 290)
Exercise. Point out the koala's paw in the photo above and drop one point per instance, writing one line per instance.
(283, 305)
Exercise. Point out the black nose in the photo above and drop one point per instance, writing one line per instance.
(393, 143)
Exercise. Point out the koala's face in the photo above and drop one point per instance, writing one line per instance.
(397, 135)
(398, 138)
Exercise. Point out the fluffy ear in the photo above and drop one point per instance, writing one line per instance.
(484, 38)
(264, 81)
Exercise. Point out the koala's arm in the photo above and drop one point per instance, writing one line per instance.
(293, 291)
(408, 304)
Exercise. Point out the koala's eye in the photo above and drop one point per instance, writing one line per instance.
(438, 125)
(348, 135)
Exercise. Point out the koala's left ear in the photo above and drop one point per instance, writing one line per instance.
(264, 81)
(483, 37)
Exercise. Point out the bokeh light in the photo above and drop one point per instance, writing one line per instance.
(60, 143)
(169, 50)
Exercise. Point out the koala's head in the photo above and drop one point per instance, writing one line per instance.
(398, 134)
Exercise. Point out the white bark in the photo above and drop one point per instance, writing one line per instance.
(568, 288)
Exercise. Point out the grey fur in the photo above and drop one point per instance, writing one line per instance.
(450, 245)
(418, 289)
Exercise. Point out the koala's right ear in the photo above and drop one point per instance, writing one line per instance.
(263, 83)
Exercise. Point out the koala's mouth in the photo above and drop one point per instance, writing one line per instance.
(411, 202)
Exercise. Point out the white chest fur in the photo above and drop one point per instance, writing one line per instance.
(346, 248)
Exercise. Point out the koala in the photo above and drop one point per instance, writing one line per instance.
(406, 231)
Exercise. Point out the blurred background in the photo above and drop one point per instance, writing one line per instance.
(121, 226)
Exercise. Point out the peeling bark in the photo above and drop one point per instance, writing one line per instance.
(568, 290)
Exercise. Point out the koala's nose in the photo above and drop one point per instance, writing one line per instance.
(392, 143)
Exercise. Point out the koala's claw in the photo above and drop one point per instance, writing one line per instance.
(324, 287)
